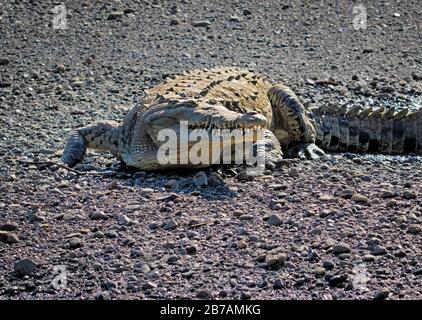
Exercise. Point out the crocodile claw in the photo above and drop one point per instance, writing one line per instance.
(305, 151)
(269, 150)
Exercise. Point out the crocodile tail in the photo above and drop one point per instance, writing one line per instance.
(368, 130)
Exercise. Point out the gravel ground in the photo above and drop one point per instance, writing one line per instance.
(344, 228)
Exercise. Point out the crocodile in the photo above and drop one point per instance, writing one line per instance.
(235, 98)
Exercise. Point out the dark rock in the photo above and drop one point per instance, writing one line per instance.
(98, 215)
(409, 195)
(172, 259)
(169, 197)
(111, 234)
(381, 294)
(188, 274)
(4, 61)
(244, 176)
(346, 193)
(8, 237)
(378, 250)
(245, 296)
(174, 22)
(191, 249)
(128, 10)
(235, 19)
(387, 194)
(171, 224)
(400, 254)
(99, 234)
(115, 15)
(368, 50)
(200, 23)
(337, 279)
(325, 213)
(3, 236)
(368, 258)
(103, 295)
(416, 76)
(110, 284)
(9, 226)
(278, 284)
(75, 243)
(360, 198)
(149, 285)
(246, 217)
(417, 271)
(35, 216)
(274, 220)
(12, 238)
(5, 84)
(340, 248)
(59, 69)
(24, 267)
(414, 229)
(274, 261)
(328, 265)
(223, 294)
(204, 295)
(293, 172)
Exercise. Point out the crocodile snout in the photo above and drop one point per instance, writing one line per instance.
(252, 119)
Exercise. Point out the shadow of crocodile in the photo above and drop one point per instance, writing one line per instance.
(209, 183)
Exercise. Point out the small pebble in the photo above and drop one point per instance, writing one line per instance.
(378, 250)
(171, 224)
(360, 198)
(75, 243)
(191, 249)
(275, 220)
(381, 294)
(414, 229)
(115, 15)
(278, 284)
(98, 215)
(340, 248)
(204, 295)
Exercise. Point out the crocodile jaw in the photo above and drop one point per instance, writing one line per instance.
(201, 116)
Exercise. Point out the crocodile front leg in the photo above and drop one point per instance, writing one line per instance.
(291, 125)
(267, 151)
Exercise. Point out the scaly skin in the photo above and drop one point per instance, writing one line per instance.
(368, 130)
(236, 98)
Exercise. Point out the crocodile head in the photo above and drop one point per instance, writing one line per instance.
(180, 127)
